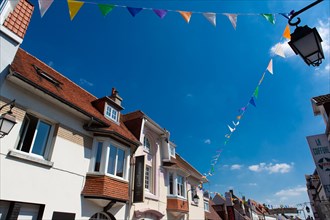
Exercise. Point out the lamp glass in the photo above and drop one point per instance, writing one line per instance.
(307, 43)
(196, 199)
(7, 122)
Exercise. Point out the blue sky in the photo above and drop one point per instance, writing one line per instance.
(193, 78)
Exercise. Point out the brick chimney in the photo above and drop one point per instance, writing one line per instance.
(15, 17)
(115, 97)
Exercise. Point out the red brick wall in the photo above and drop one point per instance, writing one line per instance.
(105, 186)
(19, 19)
(174, 204)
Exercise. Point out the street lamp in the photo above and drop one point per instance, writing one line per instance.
(196, 198)
(7, 120)
(306, 41)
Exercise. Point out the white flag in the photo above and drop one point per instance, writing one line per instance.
(231, 129)
(270, 66)
(44, 5)
(211, 17)
(279, 50)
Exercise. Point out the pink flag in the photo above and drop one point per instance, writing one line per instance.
(211, 17)
(270, 66)
(232, 19)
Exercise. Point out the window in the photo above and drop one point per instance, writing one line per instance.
(206, 206)
(98, 157)
(180, 186)
(172, 151)
(35, 135)
(148, 178)
(146, 144)
(171, 182)
(111, 113)
(116, 163)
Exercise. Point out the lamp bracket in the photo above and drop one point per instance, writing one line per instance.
(300, 11)
(12, 105)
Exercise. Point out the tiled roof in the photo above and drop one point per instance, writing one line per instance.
(64, 90)
(212, 214)
(180, 162)
(320, 100)
(19, 19)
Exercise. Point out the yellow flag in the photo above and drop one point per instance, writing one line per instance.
(74, 7)
(186, 15)
(286, 32)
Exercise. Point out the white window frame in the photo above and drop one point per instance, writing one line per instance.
(22, 136)
(111, 113)
(105, 158)
(149, 179)
(175, 185)
(172, 151)
(146, 140)
(206, 206)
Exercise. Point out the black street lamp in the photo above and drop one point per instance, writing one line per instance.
(306, 41)
(7, 120)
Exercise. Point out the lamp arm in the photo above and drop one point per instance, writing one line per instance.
(11, 103)
(300, 11)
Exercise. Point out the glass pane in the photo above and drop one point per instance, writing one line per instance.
(114, 114)
(112, 160)
(171, 183)
(41, 138)
(120, 163)
(98, 157)
(29, 127)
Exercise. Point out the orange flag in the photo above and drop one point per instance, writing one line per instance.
(286, 32)
(186, 15)
(74, 7)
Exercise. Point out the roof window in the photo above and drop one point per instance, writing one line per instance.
(46, 76)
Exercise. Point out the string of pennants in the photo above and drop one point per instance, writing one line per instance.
(105, 9)
(252, 101)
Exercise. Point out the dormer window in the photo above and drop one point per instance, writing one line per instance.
(111, 113)
(172, 151)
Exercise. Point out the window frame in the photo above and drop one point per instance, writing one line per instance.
(179, 189)
(172, 151)
(148, 178)
(206, 206)
(24, 130)
(146, 139)
(105, 153)
(109, 113)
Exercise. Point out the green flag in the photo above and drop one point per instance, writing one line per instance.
(269, 17)
(256, 92)
(105, 9)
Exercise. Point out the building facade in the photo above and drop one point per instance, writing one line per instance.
(72, 155)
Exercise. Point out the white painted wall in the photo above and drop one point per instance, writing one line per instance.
(58, 187)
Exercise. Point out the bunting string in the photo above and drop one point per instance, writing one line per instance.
(105, 9)
(252, 101)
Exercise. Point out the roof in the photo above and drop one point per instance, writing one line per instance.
(212, 214)
(319, 100)
(181, 163)
(25, 67)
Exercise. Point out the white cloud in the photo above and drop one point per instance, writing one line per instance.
(253, 184)
(323, 27)
(85, 82)
(272, 168)
(207, 141)
(51, 63)
(285, 47)
(189, 95)
(236, 167)
(285, 193)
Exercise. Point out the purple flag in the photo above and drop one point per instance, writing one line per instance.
(160, 12)
(242, 109)
(252, 102)
(134, 11)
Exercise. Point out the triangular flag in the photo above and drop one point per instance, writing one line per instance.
(262, 78)
(270, 66)
(252, 102)
(242, 109)
(105, 8)
(74, 7)
(232, 19)
(134, 11)
(285, 15)
(186, 15)
(279, 50)
(256, 92)
(160, 12)
(239, 117)
(269, 17)
(231, 129)
(286, 32)
(235, 124)
(211, 17)
(44, 5)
